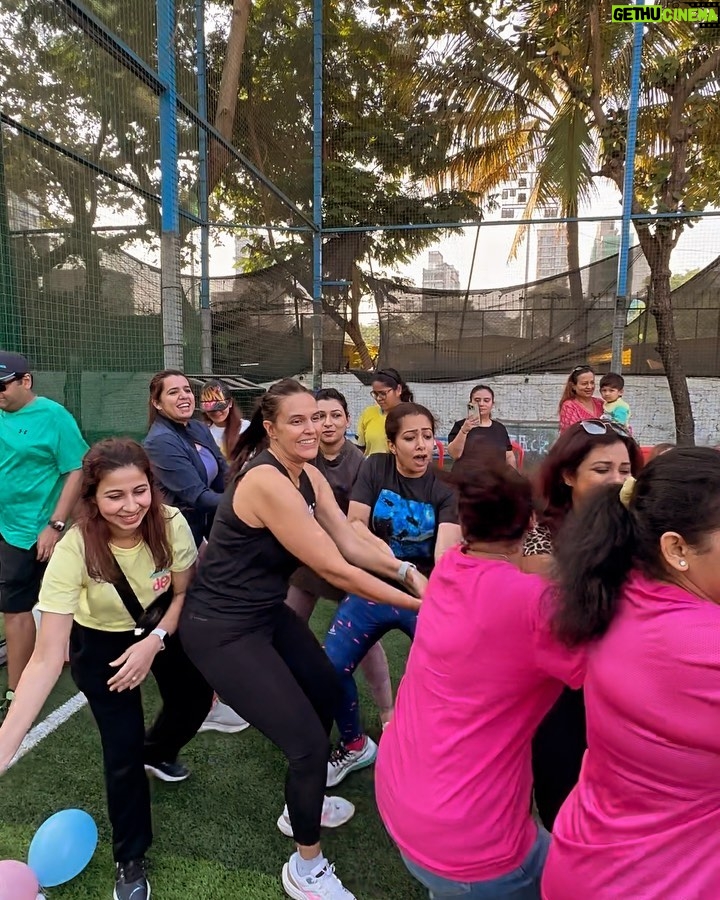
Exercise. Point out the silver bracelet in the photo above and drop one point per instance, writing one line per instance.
(403, 571)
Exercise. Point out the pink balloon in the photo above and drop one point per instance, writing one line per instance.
(17, 881)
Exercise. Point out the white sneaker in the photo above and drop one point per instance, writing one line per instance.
(222, 718)
(323, 884)
(335, 812)
(344, 761)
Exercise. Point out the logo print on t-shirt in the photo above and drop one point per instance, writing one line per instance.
(408, 526)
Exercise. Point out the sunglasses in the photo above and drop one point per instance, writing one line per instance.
(4, 384)
(598, 426)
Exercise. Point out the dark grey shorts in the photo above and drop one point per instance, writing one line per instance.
(20, 575)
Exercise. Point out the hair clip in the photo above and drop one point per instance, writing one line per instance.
(627, 491)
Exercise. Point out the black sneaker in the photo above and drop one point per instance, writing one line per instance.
(168, 772)
(131, 881)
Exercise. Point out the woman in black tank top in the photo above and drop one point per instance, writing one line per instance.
(252, 648)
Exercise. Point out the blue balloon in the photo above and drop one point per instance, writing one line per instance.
(62, 847)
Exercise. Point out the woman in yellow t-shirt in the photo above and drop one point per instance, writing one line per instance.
(388, 389)
(122, 529)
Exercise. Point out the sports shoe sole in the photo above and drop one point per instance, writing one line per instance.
(223, 729)
(355, 767)
(149, 892)
(284, 824)
(163, 776)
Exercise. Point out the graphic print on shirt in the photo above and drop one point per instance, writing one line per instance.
(408, 526)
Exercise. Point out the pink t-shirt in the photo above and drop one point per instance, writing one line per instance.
(644, 819)
(453, 775)
(571, 412)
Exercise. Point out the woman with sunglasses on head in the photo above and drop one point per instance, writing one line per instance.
(399, 499)
(222, 416)
(126, 554)
(642, 593)
(187, 462)
(277, 513)
(586, 457)
(479, 432)
(339, 460)
(577, 401)
(388, 389)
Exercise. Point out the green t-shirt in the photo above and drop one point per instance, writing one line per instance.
(39, 445)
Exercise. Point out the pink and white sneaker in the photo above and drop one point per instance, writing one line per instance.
(322, 884)
(335, 812)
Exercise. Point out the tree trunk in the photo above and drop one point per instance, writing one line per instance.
(356, 336)
(218, 157)
(577, 300)
(661, 308)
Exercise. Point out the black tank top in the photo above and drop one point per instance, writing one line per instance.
(245, 571)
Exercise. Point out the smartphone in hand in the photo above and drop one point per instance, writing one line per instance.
(473, 411)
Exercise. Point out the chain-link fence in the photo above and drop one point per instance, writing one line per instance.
(161, 163)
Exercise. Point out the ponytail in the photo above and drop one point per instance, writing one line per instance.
(253, 440)
(594, 553)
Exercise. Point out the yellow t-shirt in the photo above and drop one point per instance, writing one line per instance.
(67, 588)
(371, 431)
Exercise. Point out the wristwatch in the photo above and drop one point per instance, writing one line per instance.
(57, 525)
(162, 634)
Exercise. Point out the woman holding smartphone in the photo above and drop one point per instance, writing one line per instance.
(479, 432)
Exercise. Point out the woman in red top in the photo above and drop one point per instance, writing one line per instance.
(577, 401)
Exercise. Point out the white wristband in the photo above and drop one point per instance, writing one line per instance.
(403, 571)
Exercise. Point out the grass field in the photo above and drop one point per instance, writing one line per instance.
(215, 835)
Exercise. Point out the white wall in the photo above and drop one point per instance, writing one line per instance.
(533, 399)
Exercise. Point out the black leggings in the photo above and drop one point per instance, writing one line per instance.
(276, 676)
(557, 753)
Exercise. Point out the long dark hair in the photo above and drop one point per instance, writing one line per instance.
(157, 384)
(568, 391)
(254, 439)
(678, 491)
(101, 459)
(564, 458)
(393, 379)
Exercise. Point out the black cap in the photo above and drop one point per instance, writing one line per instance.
(12, 364)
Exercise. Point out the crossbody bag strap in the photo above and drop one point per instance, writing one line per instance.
(127, 594)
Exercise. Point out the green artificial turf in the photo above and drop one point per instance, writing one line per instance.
(215, 834)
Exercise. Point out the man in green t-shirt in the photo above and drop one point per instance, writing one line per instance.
(41, 452)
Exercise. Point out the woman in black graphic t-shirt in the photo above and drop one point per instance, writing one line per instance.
(252, 648)
(399, 498)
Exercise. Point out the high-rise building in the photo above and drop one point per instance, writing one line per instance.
(551, 257)
(439, 275)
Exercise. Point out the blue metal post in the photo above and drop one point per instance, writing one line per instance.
(172, 305)
(621, 299)
(317, 191)
(206, 360)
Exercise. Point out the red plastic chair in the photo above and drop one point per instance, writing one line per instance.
(439, 446)
(519, 454)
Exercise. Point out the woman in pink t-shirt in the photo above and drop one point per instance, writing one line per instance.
(641, 588)
(577, 401)
(453, 776)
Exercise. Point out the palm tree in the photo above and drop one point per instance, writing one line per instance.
(547, 86)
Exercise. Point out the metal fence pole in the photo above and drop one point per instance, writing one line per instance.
(621, 298)
(172, 300)
(9, 326)
(317, 348)
(206, 360)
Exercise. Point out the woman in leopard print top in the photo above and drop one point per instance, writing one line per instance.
(578, 462)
